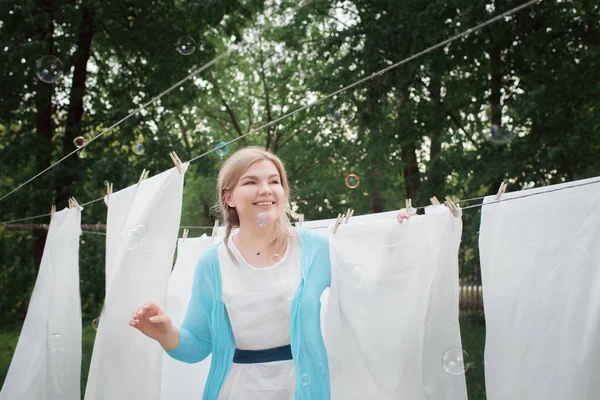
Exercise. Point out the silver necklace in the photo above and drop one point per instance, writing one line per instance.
(258, 251)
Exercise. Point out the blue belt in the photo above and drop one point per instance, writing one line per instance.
(262, 356)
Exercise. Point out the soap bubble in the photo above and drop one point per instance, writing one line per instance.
(352, 181)
(79, 141)
(106, 182)
(96, 323)
(305, 379)
(139, 149)
(185, 45)
(455, 361)
(55, 342)
(48, 68)
(341, 110)
(262, 220)
(133, 237)
(289, 292)
(222, 149)
(499, 135)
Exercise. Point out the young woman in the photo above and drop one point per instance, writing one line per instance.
(255, 301)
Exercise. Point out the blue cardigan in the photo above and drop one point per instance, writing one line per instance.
(206, 328)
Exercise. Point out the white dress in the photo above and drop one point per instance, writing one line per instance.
(258, 302)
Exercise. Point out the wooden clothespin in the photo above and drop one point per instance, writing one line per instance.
(337, 223)
(299, 219)
(349, 215)
(450, 204)
(501, 190)
(74, 204)
(143, 176)
(176, 161)
(434, 201)
(109, 190)
(185, 233)
(215, 229)
(52, 211)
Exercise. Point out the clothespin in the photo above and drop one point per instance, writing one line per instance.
(349, 214)
(176, 161)
(74, 204)
(299, 219)
(185, 233)
(434, 201)
(143, 176)
(501, 190)
(52, 211)
(450, 204)
(109, 191)
(337, 223)
(215, 229)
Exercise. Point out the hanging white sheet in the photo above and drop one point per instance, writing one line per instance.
(322, 227)
(383, 302)
(181, 380)
(540, 268)
(46, 364)
(141, 237)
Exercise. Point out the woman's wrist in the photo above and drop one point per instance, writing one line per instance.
(171, 340)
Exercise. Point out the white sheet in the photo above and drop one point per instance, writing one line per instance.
(125, 363)
(322, 227)
(540, 267)
(382, 292)
(47, 361)
(181, 380)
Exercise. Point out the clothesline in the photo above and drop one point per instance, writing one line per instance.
(309, 105)
(418, 208)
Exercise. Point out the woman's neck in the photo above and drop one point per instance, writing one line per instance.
(256, 236)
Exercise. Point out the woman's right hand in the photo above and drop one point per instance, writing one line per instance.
(151, 320)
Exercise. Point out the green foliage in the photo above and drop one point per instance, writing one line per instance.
(419, 130)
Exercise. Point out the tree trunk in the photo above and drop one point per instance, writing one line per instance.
(44, 128)
(64, 188)
(435, 172)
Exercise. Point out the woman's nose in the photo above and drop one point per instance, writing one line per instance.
(264, 188)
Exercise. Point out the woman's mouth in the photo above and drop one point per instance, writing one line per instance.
(264, 204)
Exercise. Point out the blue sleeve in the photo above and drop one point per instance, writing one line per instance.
(195, 342)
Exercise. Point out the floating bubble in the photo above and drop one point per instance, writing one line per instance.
(106, 182)
(222, 149)
(341, 110)
(499, 135)
(96, 323)
(55, 342)
(262, 220)
(455, 361)
(132, 238)
(305, 379)
(289, 292)
(352, 181)
(139, 149)
(185, 45)
(79, 141)
(48, 68)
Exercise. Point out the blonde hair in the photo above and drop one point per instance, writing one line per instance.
(229, 175)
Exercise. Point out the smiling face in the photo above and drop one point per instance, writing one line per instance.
(259, 190)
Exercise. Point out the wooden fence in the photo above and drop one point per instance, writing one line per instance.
(470, 299)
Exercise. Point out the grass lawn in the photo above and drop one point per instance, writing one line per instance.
(472, 331)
